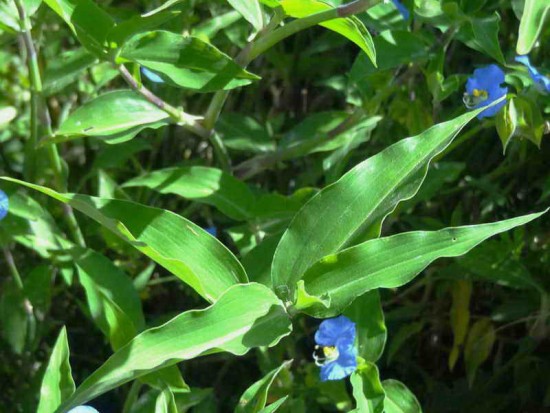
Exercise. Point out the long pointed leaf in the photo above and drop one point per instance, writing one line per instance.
(57, 384)
(176, 243)
(360, 200)
(390, 262)
(246, 316)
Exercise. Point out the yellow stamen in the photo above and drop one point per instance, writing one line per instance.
(480, 93)
(330, 352)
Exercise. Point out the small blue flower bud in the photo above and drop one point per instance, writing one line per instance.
(4, 204)
(152, 76)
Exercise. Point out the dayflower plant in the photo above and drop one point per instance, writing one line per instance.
(542, 82)
(483, 88)
(4, 204)
(335, 351)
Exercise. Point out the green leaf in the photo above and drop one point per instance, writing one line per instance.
(461, 291)
(366, 311)
(113, 301)
(208, 29)
(166, 403)
(111, 115)
(393, 49)
(57, 384)
(257, 262)
(185, 61)
(399, 398)
(358, 202)
(481, 34)
(244, 317)
(250, 10)
(66, 69)
(367, 389)
(174, 242)
(244, 133)
(479, 344)
(535, 13)
(506, 123)
(273, 407)
(495, 262)
(391, 262)
(350, 27)
(89, 22)
(310, 132)
(202, 184)
(401, 336)
(16, 317)
(254, 398)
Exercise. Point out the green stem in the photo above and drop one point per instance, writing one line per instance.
(270, 36)
(271, 39)
(180, 117)
(13, 268)
(254, 166)
(132, 396)
(37, 101)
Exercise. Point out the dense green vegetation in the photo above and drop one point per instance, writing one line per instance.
(189, 188)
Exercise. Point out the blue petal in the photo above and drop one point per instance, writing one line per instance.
(402, 9)
(343, 366)
(489, 79)
(83, 409)
(4, 204)
(212, 231)
(335, 331)
(541, 82)
(152, 76)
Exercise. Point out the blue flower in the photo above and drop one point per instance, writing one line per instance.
(83, 409)
(335, 351)
(402, 9)
(152, 76)
(542, 83)
(212, 231)
(4, 204)
(483, 88)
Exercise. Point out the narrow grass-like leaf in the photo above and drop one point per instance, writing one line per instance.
(390, 262)
(246, 316)
(209, 185)
(57, 384)
(174, 242)
(254, 398)
(358, 202)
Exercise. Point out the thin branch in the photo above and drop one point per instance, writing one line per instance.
(37, 102)
(180, 117)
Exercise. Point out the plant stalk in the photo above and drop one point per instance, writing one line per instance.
(272, 35)
(184, 119)
(37, 102)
